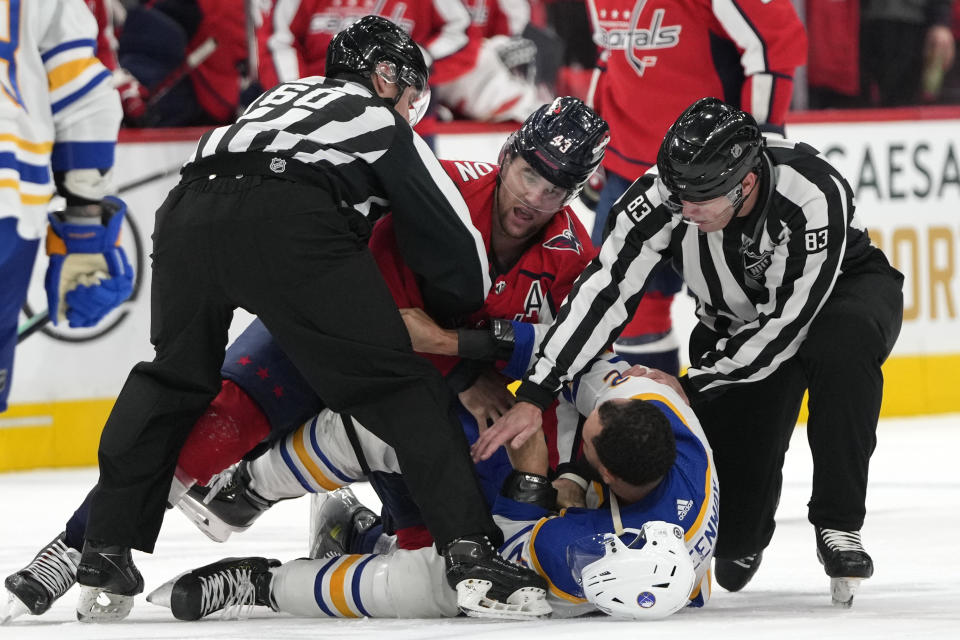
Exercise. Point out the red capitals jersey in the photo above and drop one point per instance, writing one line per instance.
(295, 34)
(530, 292)
(659, 56)
(499, 17)
(106, 39)
(216, 81)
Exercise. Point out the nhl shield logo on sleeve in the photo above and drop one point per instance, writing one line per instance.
(278, 165)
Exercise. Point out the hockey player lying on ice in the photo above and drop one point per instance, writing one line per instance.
(641, 439)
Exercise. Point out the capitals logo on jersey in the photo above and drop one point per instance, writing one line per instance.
(567, 240)
(622, 31)
(340, 17)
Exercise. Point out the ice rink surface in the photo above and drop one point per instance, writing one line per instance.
(911, 531)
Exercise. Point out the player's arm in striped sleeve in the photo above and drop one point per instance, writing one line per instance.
(773, 43)
(804, 268)
(435, 233)
(85, 107)
(606, 293)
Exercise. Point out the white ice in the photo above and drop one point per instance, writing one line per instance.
(911, 531)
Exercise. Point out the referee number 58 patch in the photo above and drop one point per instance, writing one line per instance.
(815, 240)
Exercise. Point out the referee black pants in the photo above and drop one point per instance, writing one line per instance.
(282, 251)
(749, 425)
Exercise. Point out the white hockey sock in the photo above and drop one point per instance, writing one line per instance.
(405, 584)
(315, 458)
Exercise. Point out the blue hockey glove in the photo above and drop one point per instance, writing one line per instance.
(89, 274)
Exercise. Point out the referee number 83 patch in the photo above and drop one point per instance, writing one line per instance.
(815, 240)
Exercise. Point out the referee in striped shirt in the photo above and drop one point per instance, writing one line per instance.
(273, 214)
(790, 296)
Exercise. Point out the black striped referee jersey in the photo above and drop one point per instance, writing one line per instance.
(758, 283)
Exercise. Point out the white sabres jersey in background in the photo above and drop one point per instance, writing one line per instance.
(58, 108)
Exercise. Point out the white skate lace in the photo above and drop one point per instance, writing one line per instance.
(55, 568)
(217, 482)
(230, 589)
(841, 540)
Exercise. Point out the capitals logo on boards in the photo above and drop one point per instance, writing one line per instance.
(567, 240)
(621, 31)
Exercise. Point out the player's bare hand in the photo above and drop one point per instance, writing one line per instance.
(426, 335)
(569, 494)
(488, 398)
(660, 376)
(516, 426)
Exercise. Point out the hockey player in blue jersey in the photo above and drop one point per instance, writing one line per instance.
(655, 480)
(59, 117)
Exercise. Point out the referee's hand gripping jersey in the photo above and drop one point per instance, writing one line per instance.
(791, 296)
(273, 214)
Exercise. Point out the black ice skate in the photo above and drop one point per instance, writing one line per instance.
(489, 586)
(224, 507)
(846, 562)
(233, 585)
(38, 585)
(109, 580)
(734, 575)
(336, 518)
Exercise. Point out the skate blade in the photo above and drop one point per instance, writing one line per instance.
(97, 605)
(209, 525)
(528, 603)
(842, 591)
(11, 609)
(162, 595)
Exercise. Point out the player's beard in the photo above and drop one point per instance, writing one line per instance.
(590, 472)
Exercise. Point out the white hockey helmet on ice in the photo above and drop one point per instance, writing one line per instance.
(646, 583)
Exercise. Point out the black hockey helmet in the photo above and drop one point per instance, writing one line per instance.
(709, 150)
(375, 45)
(563, 141)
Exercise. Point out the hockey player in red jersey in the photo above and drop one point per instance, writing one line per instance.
(536, 252)
(658, 56)
(538, 249)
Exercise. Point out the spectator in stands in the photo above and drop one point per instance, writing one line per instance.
(467, 76)
(133, 95)
(191, 55)
(878, 53)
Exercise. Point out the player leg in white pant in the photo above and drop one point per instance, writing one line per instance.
(318, 457)
(404, 584)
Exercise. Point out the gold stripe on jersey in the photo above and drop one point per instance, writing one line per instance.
(707, 495)
(308, 463)
(25, 198)
(26, 145)
(338, 587)
(69, 71)
(554, 589)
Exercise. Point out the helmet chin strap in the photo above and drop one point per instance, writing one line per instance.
(615, 514)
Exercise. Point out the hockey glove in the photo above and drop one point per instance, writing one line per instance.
(89, 274)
